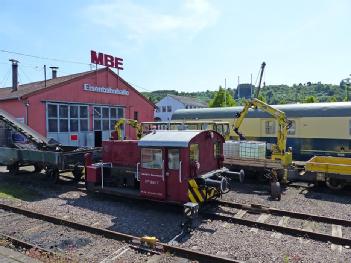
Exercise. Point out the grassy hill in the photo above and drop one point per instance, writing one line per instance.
(273, 94)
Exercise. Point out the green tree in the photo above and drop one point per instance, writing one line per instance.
(332, 99)
(222, 98)
(261, 98)
(310, 99)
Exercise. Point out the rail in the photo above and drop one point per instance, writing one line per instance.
(258, 209)
(177, 251)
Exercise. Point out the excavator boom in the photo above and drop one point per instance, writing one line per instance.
(133, 123)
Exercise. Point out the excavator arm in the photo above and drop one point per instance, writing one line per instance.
(133, 123)
(283, 123)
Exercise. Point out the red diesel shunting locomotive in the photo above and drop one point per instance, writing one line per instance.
(167, 166)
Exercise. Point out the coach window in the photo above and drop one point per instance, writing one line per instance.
(151, 158)
(194, 152)
(270, 127)
(173, 159)
(292, 129)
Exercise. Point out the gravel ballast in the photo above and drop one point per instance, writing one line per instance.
(214, 237)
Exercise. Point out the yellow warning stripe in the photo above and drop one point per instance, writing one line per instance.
(191, 197)
(197, 195)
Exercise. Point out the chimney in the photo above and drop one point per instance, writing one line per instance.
(54, 72)
(14, 74)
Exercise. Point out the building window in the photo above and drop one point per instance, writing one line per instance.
(105, 118)
(169, 108)
(350, 127)
(157, 109)
(74, 118)
(194, 152)
(136, 115)
(52, 118)
(173, 159)
(163, 108)
(97, 118)
(83, 118)
(151, 158)
(270, 127)
(292, 129)
(67, 118)
(186, 106)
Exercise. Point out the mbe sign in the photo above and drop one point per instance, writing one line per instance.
(106, 60)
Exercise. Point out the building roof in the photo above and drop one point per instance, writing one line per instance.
(189, 101)
(25, 90)
(332, 109)
(161, 138)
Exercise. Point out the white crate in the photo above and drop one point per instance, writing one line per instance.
(252, 149)
(231, 149)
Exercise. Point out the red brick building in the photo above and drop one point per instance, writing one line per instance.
(77, 109)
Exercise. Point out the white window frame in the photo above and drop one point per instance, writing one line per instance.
(269, 129)
(292, 129)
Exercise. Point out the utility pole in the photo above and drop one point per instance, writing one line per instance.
(225, 92)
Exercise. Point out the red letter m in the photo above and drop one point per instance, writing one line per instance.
(96, 59)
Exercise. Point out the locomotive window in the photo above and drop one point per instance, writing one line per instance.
(292, 129)
(151, 158)
(194, 152)
(216, 149)
(270, 127)
(173, 159)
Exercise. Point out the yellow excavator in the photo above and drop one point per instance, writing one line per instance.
(279, 151)
(133, 123)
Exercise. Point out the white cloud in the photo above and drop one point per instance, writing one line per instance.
(141, 21)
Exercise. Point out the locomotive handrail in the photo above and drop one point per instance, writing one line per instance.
(180, 171)
(137, 172)
(163, 170)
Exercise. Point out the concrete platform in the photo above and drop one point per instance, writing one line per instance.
(11, 256)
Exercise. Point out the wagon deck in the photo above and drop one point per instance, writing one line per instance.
(329, 165)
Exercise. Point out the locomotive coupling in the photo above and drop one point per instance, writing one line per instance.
(215, 179)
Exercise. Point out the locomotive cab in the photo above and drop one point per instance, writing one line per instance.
(167, 166)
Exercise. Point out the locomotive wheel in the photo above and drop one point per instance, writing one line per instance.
(77, 173)
(38, 168)
(241, 176)
(53, 174)
(334, 184)
(276, 191)
(13, 168)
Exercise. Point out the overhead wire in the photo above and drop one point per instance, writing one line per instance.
(38, 68)
(44, 58)
(3, 82)
(25, 74)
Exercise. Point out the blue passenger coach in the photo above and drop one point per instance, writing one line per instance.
(317, 128)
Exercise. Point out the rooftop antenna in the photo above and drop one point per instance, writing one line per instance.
(45, 76)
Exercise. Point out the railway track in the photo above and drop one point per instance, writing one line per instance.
(320, 228)
(33, 250)
(85, 243)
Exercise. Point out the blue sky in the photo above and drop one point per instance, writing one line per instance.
(182, 45)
